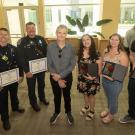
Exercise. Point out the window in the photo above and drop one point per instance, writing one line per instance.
(127, 17)
(51, 2)
(55, 13)
(16, 2)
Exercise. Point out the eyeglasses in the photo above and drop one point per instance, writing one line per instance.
(59, 55)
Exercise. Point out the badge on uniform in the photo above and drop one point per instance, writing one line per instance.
(31, 42)
(40, 42)
(5, 58)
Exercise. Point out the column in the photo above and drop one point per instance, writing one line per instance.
(2, 18)
(110, 9)
(41, 17)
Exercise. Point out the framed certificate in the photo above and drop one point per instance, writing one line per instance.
(38, 65)
(9, 77)
(114, 70)
(88, 68)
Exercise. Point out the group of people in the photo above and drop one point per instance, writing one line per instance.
(61, 60)
(28, 48)
(89, 85)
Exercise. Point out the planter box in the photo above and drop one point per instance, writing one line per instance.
(74, 41)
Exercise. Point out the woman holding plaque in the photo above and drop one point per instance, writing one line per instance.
(114, 55)
(88, 83)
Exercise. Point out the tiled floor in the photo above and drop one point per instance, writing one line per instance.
(32, 123)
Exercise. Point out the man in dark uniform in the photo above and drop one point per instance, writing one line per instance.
(33, 47)
(8, 61)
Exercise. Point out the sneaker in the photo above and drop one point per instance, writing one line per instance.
(84, 110)
(126, 119)
(70, 118)
(54, 118)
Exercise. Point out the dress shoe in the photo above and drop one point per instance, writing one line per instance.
(36, 107)
(19, 110)
(6, 125)
(45, 102)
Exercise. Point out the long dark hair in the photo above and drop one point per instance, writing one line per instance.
(92, 49)
(120, 47)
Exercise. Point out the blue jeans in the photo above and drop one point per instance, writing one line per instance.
(112, 90)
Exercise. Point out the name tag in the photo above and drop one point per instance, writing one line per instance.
(9, 77)
(38, 65)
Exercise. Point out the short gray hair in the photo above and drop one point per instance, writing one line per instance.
(61, 26)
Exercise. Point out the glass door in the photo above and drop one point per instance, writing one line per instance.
(30, 15)
(17, 17)
(14, 24)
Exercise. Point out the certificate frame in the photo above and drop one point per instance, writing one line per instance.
(115, 71)
(38, 65)
(9, 77)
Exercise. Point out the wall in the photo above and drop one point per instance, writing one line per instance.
(110, 9)
(102, 45)
(2, 18)
(74, 41)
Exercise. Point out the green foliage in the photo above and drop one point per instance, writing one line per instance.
(100, 23)
(71, 32)
(103, 21)
(85, 21)
(71, 20)
(81, 24)
(99, 33)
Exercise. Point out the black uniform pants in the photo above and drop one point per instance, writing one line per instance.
(4, 100)
(131, 97)
(31, 82)
(57, 91)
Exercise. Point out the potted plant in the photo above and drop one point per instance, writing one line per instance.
(82, 23)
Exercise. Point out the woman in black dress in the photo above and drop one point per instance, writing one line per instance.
(87, 84)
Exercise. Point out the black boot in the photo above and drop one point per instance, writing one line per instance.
(6, 124)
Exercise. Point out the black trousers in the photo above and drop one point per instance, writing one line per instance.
(131, 97)
(31, 83)
(57, 91)
(13, 88)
